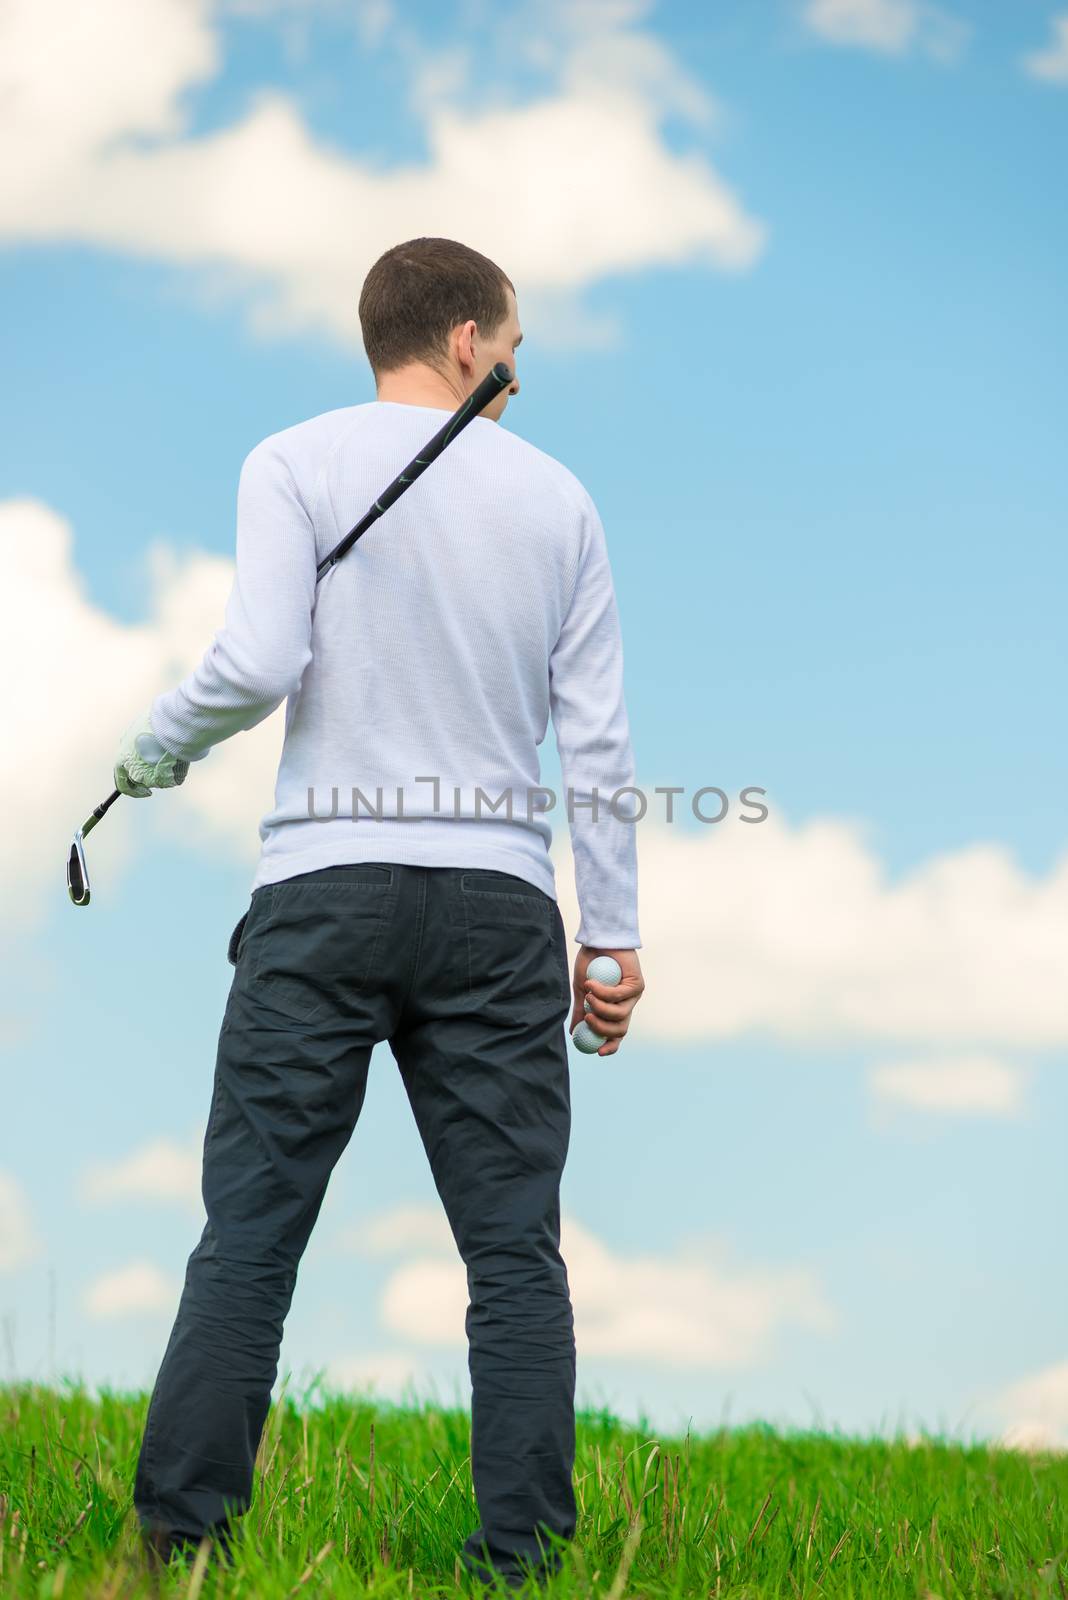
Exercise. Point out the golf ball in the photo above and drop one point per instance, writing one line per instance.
(602, 969)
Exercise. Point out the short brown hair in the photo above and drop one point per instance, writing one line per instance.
(417, 292)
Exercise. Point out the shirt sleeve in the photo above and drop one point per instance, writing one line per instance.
(259, 655)
(593, 739)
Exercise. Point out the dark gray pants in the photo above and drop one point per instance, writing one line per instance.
(466, 973)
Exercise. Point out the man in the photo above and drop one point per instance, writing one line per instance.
(397, 898)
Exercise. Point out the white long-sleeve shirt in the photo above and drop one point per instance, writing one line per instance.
(480, 604)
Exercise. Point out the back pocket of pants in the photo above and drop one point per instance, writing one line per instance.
(513, 963)
(319, 945)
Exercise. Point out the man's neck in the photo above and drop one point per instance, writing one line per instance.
(421, 386)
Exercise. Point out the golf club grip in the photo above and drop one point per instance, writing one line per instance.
(497, 379)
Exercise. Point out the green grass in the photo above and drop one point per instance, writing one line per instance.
(355, 1496)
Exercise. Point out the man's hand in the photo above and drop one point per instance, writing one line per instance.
(609, 1007)
(143, 764)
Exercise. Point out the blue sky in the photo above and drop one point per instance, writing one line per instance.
(792, 286)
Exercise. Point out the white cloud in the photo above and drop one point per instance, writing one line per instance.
(405, 1228)
(1035, 1410)
(1051, 65)
(592, 44)
(137, 1289)
(962, 1086)
(888, 27)
(694, 1308)
(161, 1169)
(19, 1243)
(96, 675)
(76, 78)
(264, 209)
(796, 932)
(384, 1371)
(371, 19)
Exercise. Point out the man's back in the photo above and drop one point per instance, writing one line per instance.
(423, 670)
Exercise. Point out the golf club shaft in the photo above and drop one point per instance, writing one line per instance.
(497, 379)
(87, 827)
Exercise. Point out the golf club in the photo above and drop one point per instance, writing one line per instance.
(497, 379)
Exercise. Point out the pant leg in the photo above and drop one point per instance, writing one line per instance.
(482, 1053)
(305, 1008)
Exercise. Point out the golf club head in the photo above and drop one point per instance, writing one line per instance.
(78, 872)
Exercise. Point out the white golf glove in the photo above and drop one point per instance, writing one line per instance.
(143, 764)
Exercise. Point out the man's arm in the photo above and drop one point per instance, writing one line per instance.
(593, 738)
(259, 655)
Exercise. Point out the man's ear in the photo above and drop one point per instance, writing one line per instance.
(465, 337)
